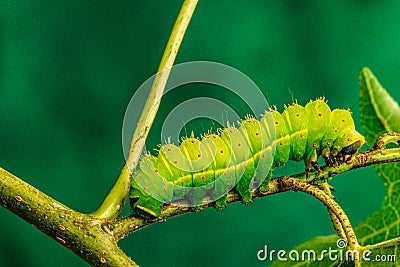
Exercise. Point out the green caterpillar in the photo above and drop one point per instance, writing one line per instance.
(243, 158)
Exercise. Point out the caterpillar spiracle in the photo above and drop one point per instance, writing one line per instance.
(243, 158)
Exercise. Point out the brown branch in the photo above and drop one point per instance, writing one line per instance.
(125, 226)
(79, 232)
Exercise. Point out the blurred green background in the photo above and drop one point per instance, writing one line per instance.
(68, 70)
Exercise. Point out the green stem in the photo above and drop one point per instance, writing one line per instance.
(388, 243)
(115, 200)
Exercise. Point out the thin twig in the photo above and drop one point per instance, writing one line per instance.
(125, 226)
(298, 185)
(115, 200)
(387, 243)
(337, 224)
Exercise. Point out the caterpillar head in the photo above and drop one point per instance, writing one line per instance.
(346, 145)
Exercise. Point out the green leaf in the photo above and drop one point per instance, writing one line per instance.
(380, 113)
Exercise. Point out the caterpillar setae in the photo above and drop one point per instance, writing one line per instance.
(242, 158)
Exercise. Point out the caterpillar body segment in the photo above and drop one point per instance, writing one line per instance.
(243, 158)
